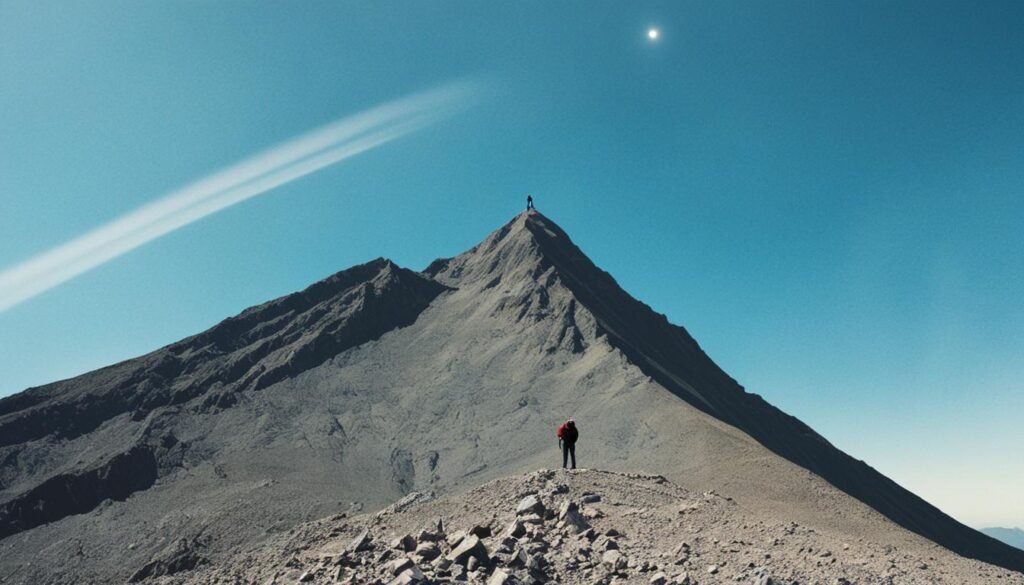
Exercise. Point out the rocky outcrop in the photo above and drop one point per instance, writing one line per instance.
(183, 555)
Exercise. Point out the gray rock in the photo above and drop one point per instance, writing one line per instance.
(590, 498)
(427, 551)
(499, 577)
(470, 547)
(532, 519)
(428, 536)
(658, 579)
(569, 513)
(536, 562)
(481, 531)
(455, 538)
(531, 504)
(405, 543)
(409, 576)
(515, 529)
(360, 543)
(614, 559)
(398, 566)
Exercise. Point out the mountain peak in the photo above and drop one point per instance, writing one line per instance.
(377, 381)
(523, 247)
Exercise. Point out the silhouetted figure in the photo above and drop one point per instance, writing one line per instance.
(567, 435)
(529, 202)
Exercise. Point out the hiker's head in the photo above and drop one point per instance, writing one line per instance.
(570, 422)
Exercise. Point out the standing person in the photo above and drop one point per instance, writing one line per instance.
(567, 435)
(529, 202)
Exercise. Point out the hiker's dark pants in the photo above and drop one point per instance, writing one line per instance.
(567, 450)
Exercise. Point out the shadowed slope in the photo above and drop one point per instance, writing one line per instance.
(259, 347)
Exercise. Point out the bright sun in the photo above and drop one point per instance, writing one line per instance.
(652, 33)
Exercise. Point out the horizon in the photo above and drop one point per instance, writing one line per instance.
(826, 199)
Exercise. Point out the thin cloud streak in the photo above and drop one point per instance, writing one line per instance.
(258, 174)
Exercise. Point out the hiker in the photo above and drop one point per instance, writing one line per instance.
(567, 435)
(529, 202)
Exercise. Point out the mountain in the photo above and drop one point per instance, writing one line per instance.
(379, 381)
(1011, 536)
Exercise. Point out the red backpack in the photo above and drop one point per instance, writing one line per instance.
(562, 430)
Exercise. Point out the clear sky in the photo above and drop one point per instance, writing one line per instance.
(828, 195)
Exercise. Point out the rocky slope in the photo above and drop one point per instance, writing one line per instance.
(586, 527)
(380, 381)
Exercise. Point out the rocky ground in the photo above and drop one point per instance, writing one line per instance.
(579, 527)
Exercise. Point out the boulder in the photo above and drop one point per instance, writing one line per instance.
(531, 504)
(455, 538)
(569, 513)
(658, 579)
(409, 576)
(499, 577)
(427, 551)
(470, 547)
(405, 543)
(614, 559)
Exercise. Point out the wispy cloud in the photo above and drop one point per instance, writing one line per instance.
(258, 174)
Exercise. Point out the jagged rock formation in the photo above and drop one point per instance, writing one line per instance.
(380, 381)
(589, 527)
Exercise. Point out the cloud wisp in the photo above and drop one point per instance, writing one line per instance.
(257, 174)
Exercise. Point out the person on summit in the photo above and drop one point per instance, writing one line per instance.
(529, 202)
(567, 435)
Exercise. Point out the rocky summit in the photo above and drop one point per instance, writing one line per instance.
(587, 527)
(381, 382)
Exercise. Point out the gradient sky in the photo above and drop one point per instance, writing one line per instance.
(828, 195)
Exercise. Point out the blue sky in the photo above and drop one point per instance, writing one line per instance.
(826, 194)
